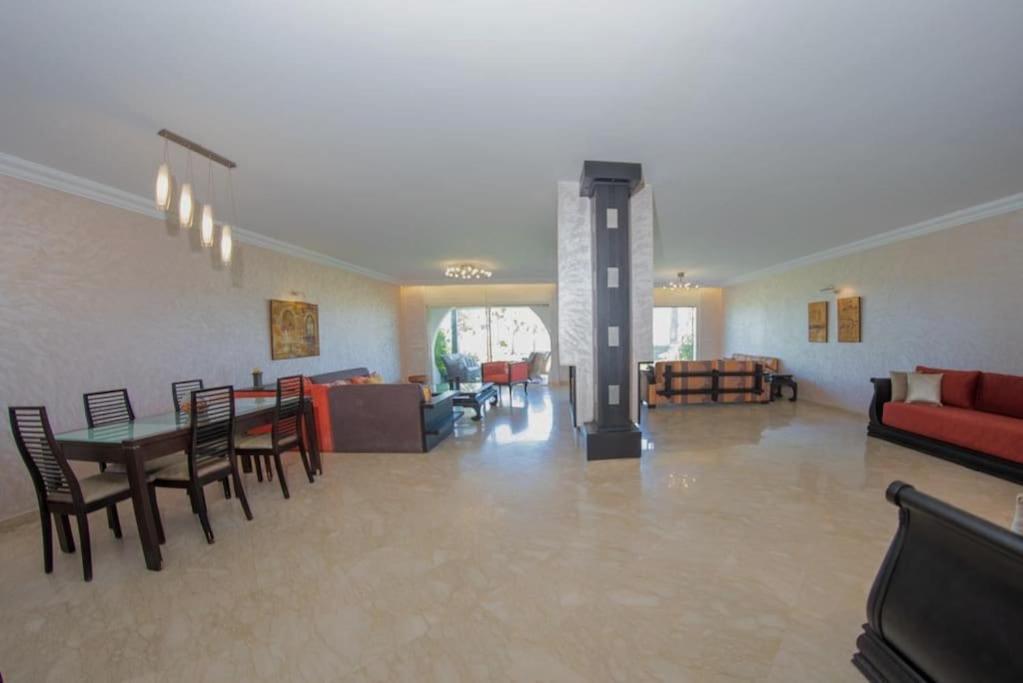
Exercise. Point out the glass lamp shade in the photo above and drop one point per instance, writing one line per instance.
(163, 187)
(226, 244)
(185, 206)
(206, 226)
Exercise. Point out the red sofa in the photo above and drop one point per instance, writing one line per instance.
(980, 423)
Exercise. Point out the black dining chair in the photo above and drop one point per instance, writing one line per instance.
(107, 407)
(211, 454)
(113, 406)
(183, 390)
(286, 431)
(59, 491)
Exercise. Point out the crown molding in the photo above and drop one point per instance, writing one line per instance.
(971, 214)
(52, 178)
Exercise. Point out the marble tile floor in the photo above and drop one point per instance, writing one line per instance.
(740, 548)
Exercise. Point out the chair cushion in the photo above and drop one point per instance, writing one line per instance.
(179, 472)
(263, 441)
(95, 487)
(985, 432)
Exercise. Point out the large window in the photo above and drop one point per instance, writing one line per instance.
(491, 333)
(674, 333)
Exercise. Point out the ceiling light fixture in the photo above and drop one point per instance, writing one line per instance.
(186, 198)
(185, 203)
(206, 225)
(467, 271)
(163, 183)
(680, 283)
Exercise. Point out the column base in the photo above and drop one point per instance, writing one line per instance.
(611, 445)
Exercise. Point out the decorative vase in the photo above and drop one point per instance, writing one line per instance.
(257, 378)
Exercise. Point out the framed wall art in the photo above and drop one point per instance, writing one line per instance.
(849, 319)
(818, 321)
(294, 329)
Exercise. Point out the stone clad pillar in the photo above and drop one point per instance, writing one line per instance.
(601, 331)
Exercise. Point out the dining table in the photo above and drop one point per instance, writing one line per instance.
(133, 442)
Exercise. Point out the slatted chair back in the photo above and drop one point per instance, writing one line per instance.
(212, 427)
(45, 461)
(107, 407)
(183, 391)
(288, 412)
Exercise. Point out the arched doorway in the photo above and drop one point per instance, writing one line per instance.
(487, 333)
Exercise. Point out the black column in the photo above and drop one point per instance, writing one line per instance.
(610, 185)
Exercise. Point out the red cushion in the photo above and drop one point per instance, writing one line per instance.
(958, 387)
(495, 371)
(518, 371)
(985, 432)
(1002, 394)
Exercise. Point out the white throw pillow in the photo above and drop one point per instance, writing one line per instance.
(923, 388)
(898, 386)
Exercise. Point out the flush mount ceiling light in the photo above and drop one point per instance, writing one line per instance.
(467, 271)
(186, 198)
(680, 283)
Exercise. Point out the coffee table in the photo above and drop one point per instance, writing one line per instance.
(473, 395)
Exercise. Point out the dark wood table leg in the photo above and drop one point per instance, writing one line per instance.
(314, 438)
(478, 407)
(143, 509)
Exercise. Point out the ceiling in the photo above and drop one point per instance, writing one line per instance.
(404, 136)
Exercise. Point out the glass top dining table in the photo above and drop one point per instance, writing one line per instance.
(144, 438)
(154, 425)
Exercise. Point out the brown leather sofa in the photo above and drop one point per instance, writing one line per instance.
(379, 418)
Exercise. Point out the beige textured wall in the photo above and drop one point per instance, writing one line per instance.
(94, 297)
(709, 316)
(949, 299)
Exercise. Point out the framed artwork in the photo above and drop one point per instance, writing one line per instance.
(818, 317)
(294, 329)
(849, 319)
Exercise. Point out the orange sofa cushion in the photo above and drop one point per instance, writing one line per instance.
(985, 432)
(1002, 394)
(958, 387)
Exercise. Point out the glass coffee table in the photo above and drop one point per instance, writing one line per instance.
(473, 395)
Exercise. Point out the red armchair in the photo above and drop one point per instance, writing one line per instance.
(507, 374)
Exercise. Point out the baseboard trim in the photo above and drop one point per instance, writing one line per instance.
(18, 520)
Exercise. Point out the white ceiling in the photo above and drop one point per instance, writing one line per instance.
(402, 136)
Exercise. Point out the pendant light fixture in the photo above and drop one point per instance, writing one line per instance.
(186, 197)
(163, 183)
(186, 205)
(226, 241)
(226, 244)
(206, 224)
